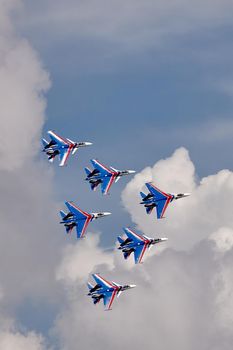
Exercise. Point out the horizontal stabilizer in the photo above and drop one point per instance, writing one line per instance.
(88, 171)
(93, 186)
(90, 286)
(117, 179)
(149, 209)
(44, 142)
(114, 169)
(71, 141)
(74, 150)
(120, 240)
(51, 159)
(143, 195)
(127, 254)
(69, 228)
(63, 214)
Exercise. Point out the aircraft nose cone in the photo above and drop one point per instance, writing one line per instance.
(164, 239)
(132, 285)
(107, 213)
(88, 143)
(132, 171)
(187, 194)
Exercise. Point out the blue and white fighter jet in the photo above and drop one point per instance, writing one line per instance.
(137, 244)
(106, 290)
(103, 175)
(78, 218)
(158, 199)
(61, 146)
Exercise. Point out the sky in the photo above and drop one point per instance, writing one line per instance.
(150, 84)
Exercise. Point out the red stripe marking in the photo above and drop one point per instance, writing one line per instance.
(80, 210)
(67, 154)
(137, 235)
(61, 138)
(165, 206)
(157, 189)
(85, 227)
(109, 184)
(112, 298)
(107, 282)
(142, 253)
(104, 166)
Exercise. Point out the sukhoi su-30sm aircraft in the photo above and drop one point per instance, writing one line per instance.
(106, 290)
(104, 176)
(61, 146)
(158, 199)
(137, 244)
(78, 218)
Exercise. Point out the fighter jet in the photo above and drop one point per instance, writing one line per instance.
(158, 199)
(137, 244)
(78, 218)
(106, 290)
(104, 176)
(61, 146)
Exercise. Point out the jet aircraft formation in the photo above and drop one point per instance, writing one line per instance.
(79, 219)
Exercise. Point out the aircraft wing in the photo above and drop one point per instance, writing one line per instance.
(101, 167)
(82, 218)
(64, 155)
(134, 236)
(161, 207)
(74, 209)
(81, 227)
(58, 139)
(106, 184)
(108, 299)
(102, 281)
(139, 252)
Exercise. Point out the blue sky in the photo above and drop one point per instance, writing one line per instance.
(136, 104)
(118, 99)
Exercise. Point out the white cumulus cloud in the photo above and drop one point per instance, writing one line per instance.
(81, 258)
(190, 219)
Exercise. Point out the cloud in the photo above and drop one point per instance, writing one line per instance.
(223, 239)
(18, 341)
(182, 300)
(13, 338)
(184, 294)
(81, 258)
(29, 239)
(23, 82)
(188, 220)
